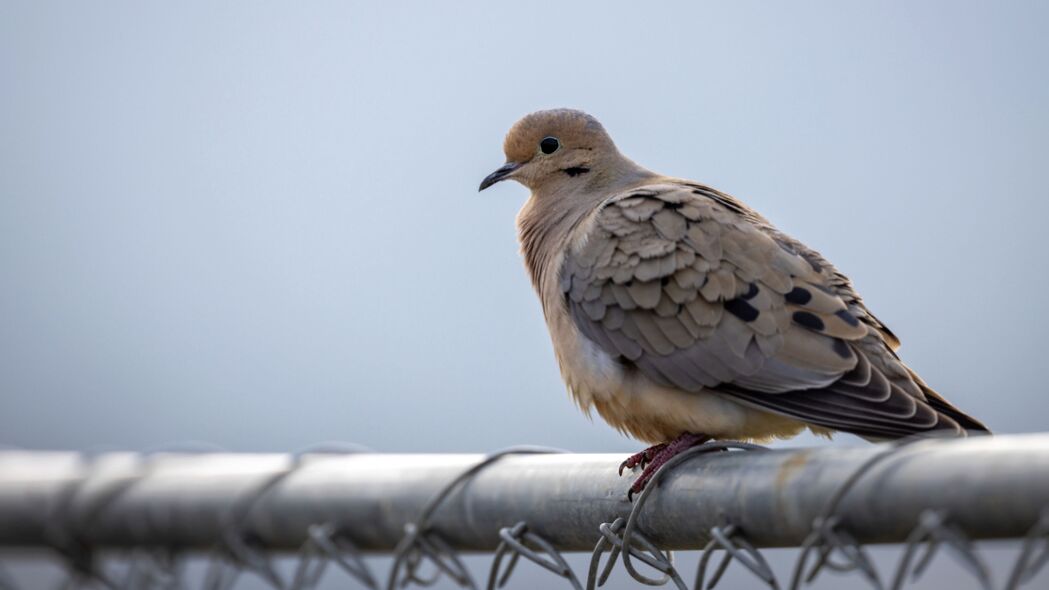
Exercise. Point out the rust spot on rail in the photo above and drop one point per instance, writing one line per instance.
(790, 468)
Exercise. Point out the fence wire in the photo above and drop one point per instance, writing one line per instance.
(423, 556)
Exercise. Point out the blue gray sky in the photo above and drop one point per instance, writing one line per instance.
(256, 224)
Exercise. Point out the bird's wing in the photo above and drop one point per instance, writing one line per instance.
(701, 293)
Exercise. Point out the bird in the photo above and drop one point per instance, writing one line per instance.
(682, 315)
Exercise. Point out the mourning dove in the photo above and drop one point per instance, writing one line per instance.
(681, 314)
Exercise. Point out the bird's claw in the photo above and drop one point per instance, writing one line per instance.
(654, 457)
(642, 480)
(641, 459)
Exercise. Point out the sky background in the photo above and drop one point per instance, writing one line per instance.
(257, 224)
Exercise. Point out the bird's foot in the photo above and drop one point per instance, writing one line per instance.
(642, 458)
(654, 457)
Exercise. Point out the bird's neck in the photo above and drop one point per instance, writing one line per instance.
(547, 220)
(541, 229)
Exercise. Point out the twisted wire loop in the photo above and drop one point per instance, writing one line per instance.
(325, 545)
(240, 551)
(148, 569)
(835, 548)
(1034, 554)
(160, 568)
(233, 556)
(736, 547)
(67, 521)
(646, 551)
(932, 531)
(515, 540)
(421, 543)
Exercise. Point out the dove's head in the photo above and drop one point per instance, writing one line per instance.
(556, 148)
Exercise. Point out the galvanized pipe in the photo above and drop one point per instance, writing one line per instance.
(993, 487)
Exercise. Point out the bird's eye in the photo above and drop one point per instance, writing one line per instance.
(549, 145)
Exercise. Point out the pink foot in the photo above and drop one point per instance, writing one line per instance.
(641, 458)
(652, 458)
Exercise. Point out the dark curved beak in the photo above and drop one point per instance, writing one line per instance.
(500, 174)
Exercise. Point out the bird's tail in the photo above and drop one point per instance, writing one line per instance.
(950, 415)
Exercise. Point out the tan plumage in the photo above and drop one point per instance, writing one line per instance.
(675, 308)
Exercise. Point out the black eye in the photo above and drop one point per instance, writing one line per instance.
(549, 145)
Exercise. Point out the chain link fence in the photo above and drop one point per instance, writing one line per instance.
(130, 521)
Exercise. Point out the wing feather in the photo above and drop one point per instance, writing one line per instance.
(701, 293)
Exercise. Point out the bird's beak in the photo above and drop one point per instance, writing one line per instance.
(502, 173)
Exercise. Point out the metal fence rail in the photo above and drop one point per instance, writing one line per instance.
(336, 507)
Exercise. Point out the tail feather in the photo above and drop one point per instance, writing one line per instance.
(947, 409)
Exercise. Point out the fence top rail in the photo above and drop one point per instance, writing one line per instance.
(991, 487)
